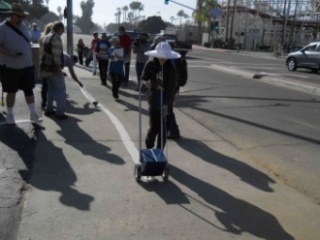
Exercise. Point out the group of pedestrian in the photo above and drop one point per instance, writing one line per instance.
(158, 75)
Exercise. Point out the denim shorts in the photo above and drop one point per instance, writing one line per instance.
(14, 80)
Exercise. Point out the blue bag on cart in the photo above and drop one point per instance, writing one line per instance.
(153, 162)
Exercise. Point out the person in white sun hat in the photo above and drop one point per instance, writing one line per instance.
(159, 77)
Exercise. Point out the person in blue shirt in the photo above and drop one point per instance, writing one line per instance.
(102, 49)
(35, 33)
(116, 56)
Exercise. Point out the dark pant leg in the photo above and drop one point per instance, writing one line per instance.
(44, 91)
(126, 72)
(155, 130)
(80, 56)
(139, 69)
(116, 83)
(103, 70)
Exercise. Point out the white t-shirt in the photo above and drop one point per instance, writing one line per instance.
(12, 41)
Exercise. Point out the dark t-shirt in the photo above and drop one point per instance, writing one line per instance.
(164, 76)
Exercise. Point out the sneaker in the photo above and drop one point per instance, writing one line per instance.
(61, 116)
(34, 117)
(10, 119)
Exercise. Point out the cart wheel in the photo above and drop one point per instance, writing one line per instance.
(137, 172)
(165, 174)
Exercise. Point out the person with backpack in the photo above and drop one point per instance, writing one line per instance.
(173, 131)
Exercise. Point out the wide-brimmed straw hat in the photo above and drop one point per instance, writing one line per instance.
(163, 50)
(16, 8)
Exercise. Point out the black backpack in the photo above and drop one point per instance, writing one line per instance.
(182, 71)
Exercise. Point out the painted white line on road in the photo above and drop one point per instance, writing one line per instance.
(125, 138)
(17, 121)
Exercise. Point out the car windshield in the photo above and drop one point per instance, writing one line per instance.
(169, 36)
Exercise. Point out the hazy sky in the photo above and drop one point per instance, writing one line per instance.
(104, 10)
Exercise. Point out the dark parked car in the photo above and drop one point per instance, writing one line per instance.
(132, 34)
(306, 57)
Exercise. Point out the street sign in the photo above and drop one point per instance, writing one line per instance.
(216, 12)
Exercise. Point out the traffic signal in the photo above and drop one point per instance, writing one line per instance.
(166, 2)
(215, 26)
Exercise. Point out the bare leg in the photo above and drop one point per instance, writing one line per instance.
(30, 99)
(10, 99)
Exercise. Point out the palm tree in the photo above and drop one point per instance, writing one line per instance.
(172, 19)
(119, 14)
(181, 14)
(125, 10)
(130, 17)
(59, 9)
(134, 6)
(202, 13)
(140, 9)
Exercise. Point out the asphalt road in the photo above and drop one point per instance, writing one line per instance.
(277, 126)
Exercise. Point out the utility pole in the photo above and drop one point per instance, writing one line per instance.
(284, 23)
(232, 21)
(69, 28)
(199, 8)
(227, 24)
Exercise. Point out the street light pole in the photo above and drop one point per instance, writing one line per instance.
(284, 23)
(227, 24)
(69, 28)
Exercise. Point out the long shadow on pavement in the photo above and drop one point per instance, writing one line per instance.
(17, 147)
(236, 215)
(244, 171)
(79, 139)
(53, 172)
(194, 102)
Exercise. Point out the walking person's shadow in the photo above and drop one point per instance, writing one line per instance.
(236, 215)
(245, 172)
(54, 173)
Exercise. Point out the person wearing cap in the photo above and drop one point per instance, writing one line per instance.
(94, 42)
(102, 49)
(140, 46)
(126, 43)
(35, 33)
(116, 55)
(159, 75)
(17, 68)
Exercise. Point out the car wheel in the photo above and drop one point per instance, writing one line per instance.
(315, 70)
(291, 64)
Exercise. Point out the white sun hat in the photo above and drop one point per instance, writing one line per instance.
(163, 50)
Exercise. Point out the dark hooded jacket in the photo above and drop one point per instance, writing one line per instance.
(164, 76)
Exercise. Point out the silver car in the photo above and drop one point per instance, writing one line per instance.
(306, 57)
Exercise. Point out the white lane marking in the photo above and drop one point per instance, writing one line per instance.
(17, 121)
(125, 138)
